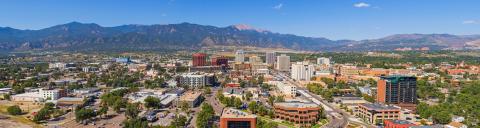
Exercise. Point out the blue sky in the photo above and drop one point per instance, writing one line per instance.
(334, 19)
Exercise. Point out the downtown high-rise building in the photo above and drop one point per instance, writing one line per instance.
(398, 90)
(199, 59)
(240, 56)
(302, 71)
(283, 63)
(270, 58)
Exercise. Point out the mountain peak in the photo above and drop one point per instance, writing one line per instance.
(243, 27)
(75, 23)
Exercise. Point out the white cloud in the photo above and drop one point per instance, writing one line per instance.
(361, 5)
(278, 6)
(470, 22)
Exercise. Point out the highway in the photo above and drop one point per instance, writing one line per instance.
(337, 117)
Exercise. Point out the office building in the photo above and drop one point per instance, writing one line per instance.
(285, 89)
(375, 113)
(270, 58)
(240, 56)
(192, 98)
(192, 80)
(52, 94)
(283, 63)
(219, 61)
(199, 59)
(300, 113)
(398, 90)
(234, 118)
(302, 71)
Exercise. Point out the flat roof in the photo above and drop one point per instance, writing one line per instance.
(348, 98)
(70, 99)
(426, 126)
(235, 113)
(400, 122)
(190, 96)
(379, 107)
(297, 104)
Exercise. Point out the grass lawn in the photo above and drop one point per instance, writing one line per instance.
(280, 123)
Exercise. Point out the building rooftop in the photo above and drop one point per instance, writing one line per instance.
(428, 126)
(400, 122)
(296, 104)
(235, 113)
(190, 96)
(29, 94)
(379, 107)
(72, 99)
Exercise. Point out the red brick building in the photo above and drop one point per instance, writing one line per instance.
(301, 114)
(199, 59)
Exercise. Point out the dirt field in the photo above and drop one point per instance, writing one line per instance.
(7, 123)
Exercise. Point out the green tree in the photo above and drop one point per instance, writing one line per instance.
(132, 110)
(135, 123)
(252, 106)
(271, 99)
(423, 110)
(280, 99)
(152, 102)
(185, 106)
(442, 117)
(103, 110)
(237, 103)
(83, 114)
(118, 105)
(7, 96)
(179, 121)
(41, 115)
(208, 90)
(368, 98)
(204, 116)
(14, 110)
(248, 96)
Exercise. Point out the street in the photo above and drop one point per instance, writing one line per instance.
(335, 120)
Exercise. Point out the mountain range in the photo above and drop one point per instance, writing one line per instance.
(77, 36)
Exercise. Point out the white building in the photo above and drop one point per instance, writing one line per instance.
(193, 80)
(283, 63)
(53, 94)
(302, 71)
(28, 97)
(323, 61)
(270, 58)
(58, 65)
(89, 69)
(240, 56)
(286, 90)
